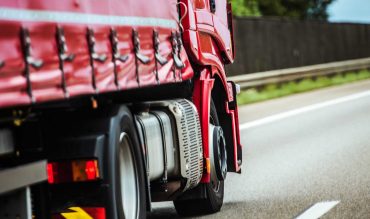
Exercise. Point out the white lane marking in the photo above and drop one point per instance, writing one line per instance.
(305, 109)
(318, 210)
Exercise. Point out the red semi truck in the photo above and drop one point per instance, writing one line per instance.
(107, 106)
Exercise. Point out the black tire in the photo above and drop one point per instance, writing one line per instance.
(213, 200)
(125, 158)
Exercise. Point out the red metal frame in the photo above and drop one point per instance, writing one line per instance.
(208, 40)
(201, 97)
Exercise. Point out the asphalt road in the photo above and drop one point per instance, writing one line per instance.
(294, 162)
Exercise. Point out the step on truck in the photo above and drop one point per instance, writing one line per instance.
(107, 106)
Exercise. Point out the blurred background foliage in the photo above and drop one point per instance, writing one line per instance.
(245, 8)
(296, 9)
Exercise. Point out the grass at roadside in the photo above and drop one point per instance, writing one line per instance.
(271, 91)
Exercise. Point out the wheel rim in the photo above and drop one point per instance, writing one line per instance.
(128, 178)
(222, 157)
(215, 183)
(217, 154)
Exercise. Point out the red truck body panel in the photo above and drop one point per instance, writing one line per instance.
(37, 23)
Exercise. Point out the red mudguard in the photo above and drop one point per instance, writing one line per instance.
(208, 41)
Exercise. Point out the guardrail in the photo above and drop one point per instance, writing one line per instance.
(291, 74)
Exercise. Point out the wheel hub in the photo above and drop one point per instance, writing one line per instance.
(218, 154)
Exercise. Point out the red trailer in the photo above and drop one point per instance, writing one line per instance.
(108, 106)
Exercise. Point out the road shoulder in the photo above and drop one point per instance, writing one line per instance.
(260, 110)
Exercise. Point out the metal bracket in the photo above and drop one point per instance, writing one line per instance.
(141, 57)
(16, 204)
(26, 45)
(91, 42)
(175, 51)
(63, 46)
(101, 58)
(22, 176)
(116, 53)
(94, 55)
(36, 63)
(160, 59)
(63, 57)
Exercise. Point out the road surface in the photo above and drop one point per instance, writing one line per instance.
(310, 154)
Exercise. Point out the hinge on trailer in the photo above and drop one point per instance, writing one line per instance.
(179, 42)
(26, 45)
(179, 49)
(63, 56)
(36, 63)
(176, 43)
(117, 56)
(91, 43)
(116, 53)
(141, 57)
(63, 49)
(161, 60)
(158, 57)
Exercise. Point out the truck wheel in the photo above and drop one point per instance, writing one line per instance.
(127, 173)
(214, 191)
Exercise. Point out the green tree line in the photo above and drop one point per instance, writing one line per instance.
(297, 9)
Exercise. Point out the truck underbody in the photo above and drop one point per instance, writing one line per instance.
(115, 104)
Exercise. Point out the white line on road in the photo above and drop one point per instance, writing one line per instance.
(318, 210)
(305, 109)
